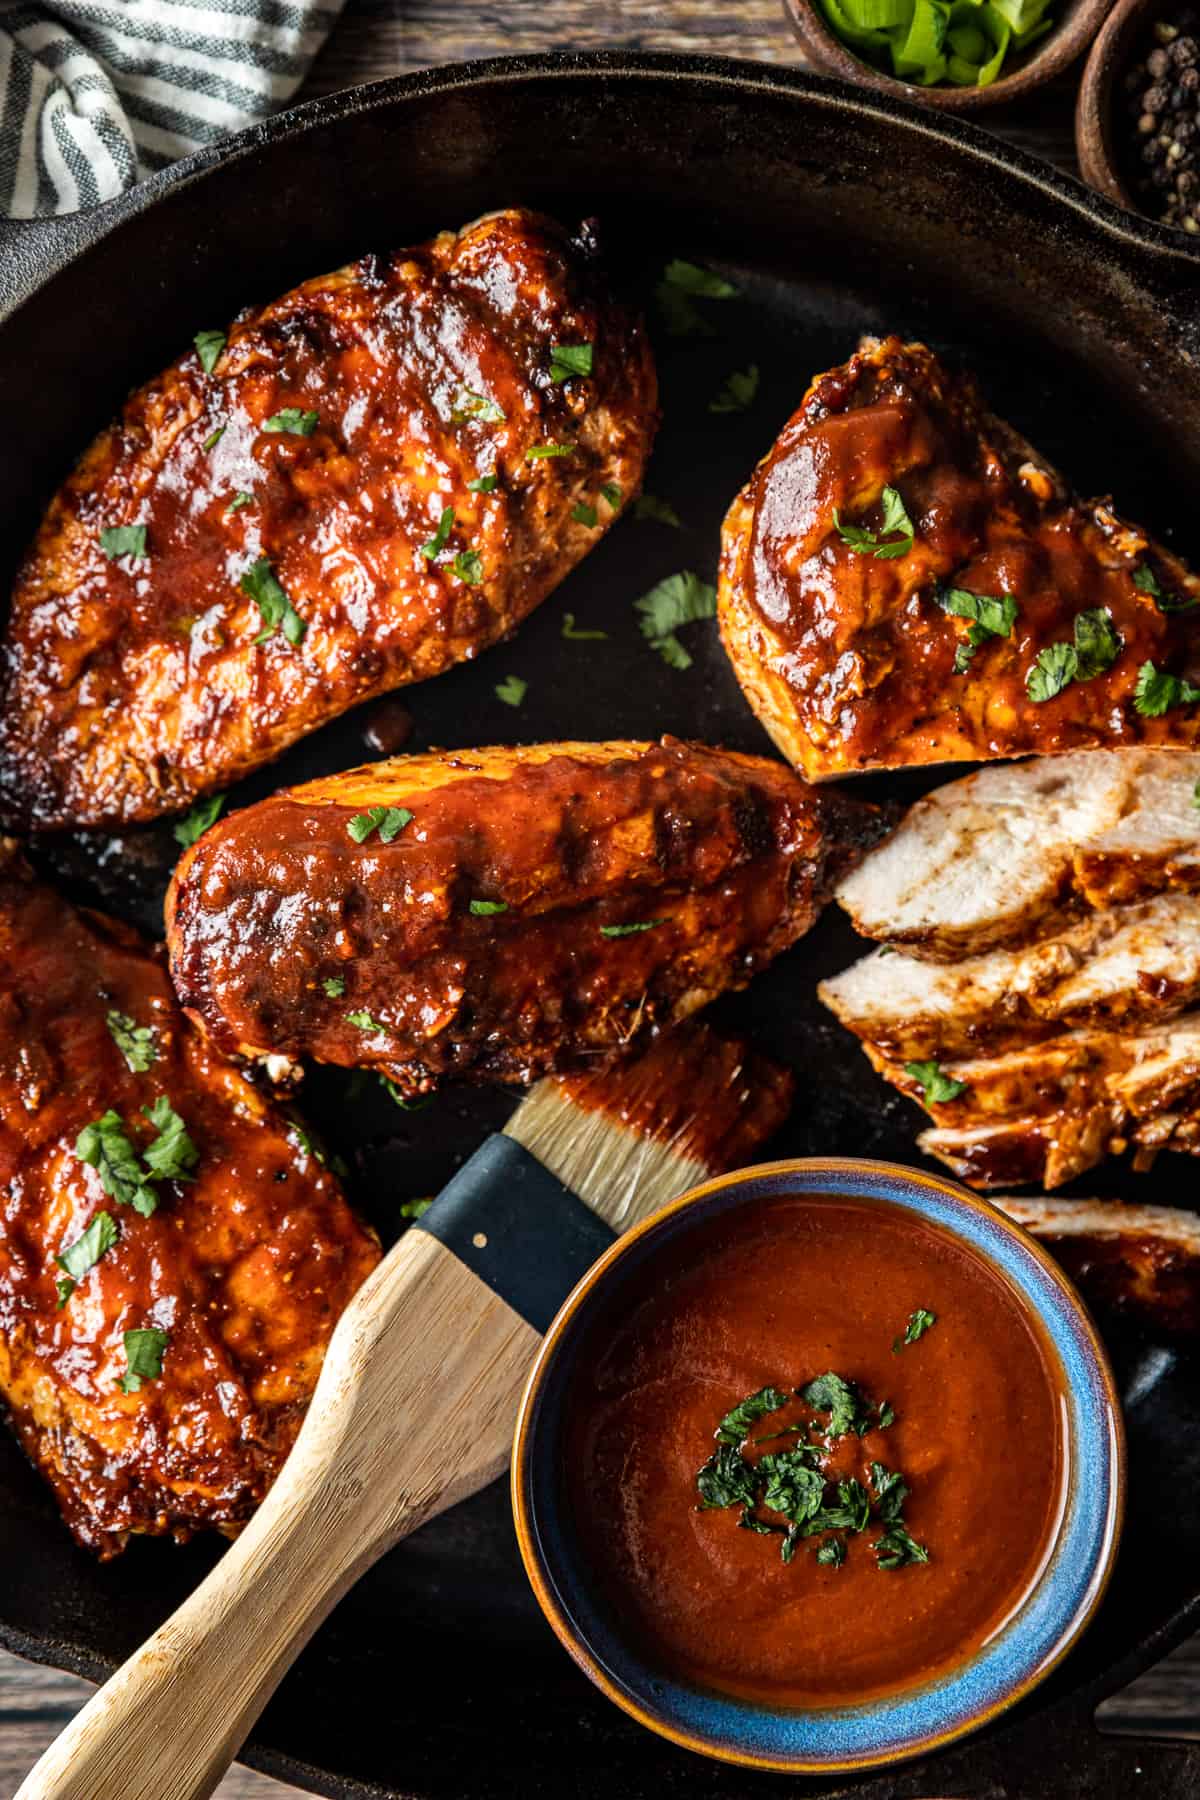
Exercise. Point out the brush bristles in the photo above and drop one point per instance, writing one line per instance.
(623, 1174)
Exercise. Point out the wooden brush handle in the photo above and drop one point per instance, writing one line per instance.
(414, 1410)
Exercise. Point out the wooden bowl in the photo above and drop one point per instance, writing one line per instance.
(1076, 24)
(1095, 108)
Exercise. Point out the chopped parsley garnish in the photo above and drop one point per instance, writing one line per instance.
(792, 1485)
(738, 391)
(104, 1146)
(259, 581)
(583, 514)
(468, 566)
(144, 1351)
(406, 1102)
(470, 405)
(918, 1324)
(937, 1086)
(841, 1400)
(63, 1289)
(441, 536)
(1145, 578)
(335, 986)
(512, 690)
(483, 909)
(293, 419)
(992, 615)
(136, 1043)
(213, 438)
(1157, 691)
(570, 360)
(416, 1209)
(364, 1022)
(620, 931)
(197, 822)
(883, 543)
(485, 484)
(679, 600)
(576, 635)
(660, 512)
(388, 821)
(87, 1250)
(682, 284)
(123, 540)
(539, 452)
(209, 345)
(1096, 648)
(737, 1421)
(240, 499)
(610, 492)
(171, 1156)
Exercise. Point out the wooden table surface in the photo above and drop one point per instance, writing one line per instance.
(378, 38)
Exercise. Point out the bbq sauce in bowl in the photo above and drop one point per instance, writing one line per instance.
(814, 1452)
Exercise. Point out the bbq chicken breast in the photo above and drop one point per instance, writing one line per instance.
(904, 581)
(499, 914)
(354, 487)
(173, 1252)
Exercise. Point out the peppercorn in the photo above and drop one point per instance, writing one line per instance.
(1158, 63)
(1184, 52)
(1189, 81)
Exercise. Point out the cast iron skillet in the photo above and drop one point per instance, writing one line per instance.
(835, 213)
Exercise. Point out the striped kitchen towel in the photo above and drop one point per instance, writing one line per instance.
(94, 94)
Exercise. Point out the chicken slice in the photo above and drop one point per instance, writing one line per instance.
(1008, 853)
(855, 558)
(1127, 966)
(365, 481)
(1048, 1111)
(499, 914)
(229, 1246)
(1141, 1262)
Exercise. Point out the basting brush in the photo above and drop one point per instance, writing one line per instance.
(418, 1397)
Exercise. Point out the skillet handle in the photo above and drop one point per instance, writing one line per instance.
(414, 1410)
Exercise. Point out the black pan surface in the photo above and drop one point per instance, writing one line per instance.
(834, 215)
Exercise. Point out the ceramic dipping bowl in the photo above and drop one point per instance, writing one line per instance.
(1023, 1650)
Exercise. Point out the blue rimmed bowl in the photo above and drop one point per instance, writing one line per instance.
(919, 1719)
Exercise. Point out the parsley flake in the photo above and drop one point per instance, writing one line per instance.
(484, 484)
(278, 613)
(171, 1156)
(63, 1289)
(123, 540)
(992, 615)
(293, 419)
(468, 566)
(682, 284)
(416, 1209)
(240, 499)
(936, 1085)
(209, 345)
(738, 391)
(1096, 648)
(483, 909)
(567, 361)
(213, 438)
(104, 1146)
(918, 1324)
(470, 405)
(735, 1426)
(335, 986)
(81, 1256)
(144, 1352)
(196, 823)
(726, 1479)
(620, 931)
(679, 600)
(881, 544)
(610, 492)
(512, 690)
(388, 821)
(839, 1398)
(1157, 691)
(136, 1043)
(649, 508)
(539, 452)
(365, 1022)
(1145, 579)
(575, 634)
(441, 536)
(584, 514)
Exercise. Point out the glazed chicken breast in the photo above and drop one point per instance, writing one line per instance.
(1138, 1262)
(499, 914)
(903, 580)
(370, 479)
(174, 1254)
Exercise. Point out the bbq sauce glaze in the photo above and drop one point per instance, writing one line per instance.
(778, 1293)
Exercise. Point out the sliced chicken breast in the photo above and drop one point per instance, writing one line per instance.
(1008, 853)
(1142, 1261)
